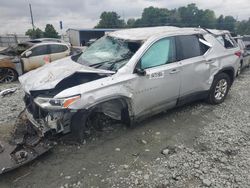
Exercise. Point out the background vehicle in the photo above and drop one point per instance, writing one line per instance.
(15, 61)
(49, 40)
(245, 55)
(246, 40)
(130, 74)
(10, 66)
(43, 53)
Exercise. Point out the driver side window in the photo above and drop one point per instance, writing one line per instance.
(160, 53)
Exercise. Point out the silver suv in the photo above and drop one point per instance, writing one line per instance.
(129, 74)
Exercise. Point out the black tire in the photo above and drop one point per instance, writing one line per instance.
(79, 125)
(239, 70)
(219, 90)
(8, 75)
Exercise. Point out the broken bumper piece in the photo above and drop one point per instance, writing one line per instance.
(13, 156)
(58, 122)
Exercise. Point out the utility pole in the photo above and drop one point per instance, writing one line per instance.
(31, 15)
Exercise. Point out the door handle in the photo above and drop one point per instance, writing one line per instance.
(174, 71)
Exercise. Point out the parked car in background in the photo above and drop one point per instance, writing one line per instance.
(49, 40)
(43, 53)
(245, 55)
(129, 74)
(10, 66)
(18, 60)
(246, 40)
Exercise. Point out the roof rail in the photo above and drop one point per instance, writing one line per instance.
(208, 31)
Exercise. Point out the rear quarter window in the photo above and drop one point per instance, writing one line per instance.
(189, 46)
(56, 48)
(226, 41)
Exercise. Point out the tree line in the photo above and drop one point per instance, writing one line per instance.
(185, 16)
(49, 32)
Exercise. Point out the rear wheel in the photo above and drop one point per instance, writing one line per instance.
(239, 69)
(219, 89)
(7, 75)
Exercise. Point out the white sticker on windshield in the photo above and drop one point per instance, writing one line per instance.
(157, 75)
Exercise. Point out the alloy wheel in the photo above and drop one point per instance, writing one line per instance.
(7, 75)
(221, 89)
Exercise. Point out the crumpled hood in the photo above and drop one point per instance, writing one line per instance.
(48, 76)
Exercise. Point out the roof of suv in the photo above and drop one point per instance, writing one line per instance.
(142, 34)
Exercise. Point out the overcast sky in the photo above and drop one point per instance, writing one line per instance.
(15, 16)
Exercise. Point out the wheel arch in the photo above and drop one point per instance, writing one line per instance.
(118, 107)
(229, 71)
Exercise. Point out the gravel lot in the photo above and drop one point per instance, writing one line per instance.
(197, 145)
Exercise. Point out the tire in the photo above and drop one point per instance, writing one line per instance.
(79, 125)
(219, 89)
(239, 70)
(8, 75)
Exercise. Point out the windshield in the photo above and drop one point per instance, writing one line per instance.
(108, 53)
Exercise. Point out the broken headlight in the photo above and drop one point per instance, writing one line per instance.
(51, 103)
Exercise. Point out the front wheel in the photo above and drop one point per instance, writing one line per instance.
(80, 126)
(219, 89)
(8, 75)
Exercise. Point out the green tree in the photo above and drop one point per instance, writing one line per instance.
(189, 15)
(110, 20)
(220, 22)
(153, 16)
(229, 23)
(206, 18)
(50, 32)
(243, 27)
(34, 34)
(131, 22)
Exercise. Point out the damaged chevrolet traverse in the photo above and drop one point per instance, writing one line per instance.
(128, 75)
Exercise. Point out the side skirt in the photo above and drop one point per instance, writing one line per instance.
(192, 97)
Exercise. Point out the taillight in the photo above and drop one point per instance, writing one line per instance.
(238, 53)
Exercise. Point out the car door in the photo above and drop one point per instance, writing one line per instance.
(157, 82)
(58, 51)
(195, 69)
(38, 56)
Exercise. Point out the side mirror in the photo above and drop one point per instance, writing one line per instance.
(140, 71)
(28, 53)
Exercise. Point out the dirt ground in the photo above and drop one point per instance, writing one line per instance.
(198, 145)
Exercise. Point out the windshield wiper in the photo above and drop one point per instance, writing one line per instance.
(96, 65)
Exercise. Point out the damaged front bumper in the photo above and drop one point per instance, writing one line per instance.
(45, 121)
(24, 145)
(13, 156)
(54, 122)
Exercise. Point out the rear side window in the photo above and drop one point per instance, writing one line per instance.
(188, 46)
(40, 50)
(56, 48)
(160, 53)
(226, 41)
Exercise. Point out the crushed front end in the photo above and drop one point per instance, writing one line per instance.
(53, 119)
(24, 146)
